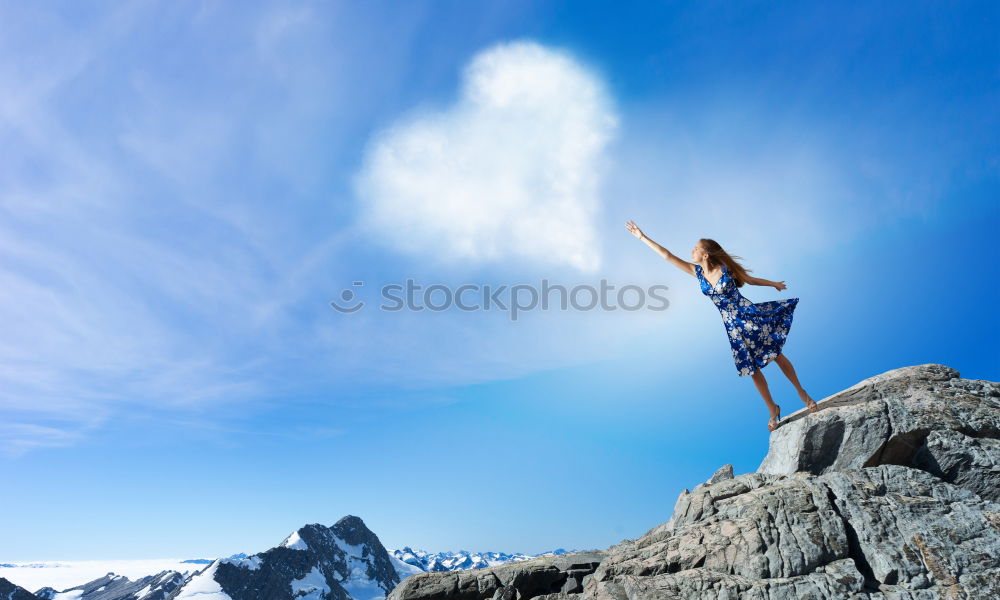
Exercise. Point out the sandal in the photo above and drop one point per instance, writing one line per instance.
(775, 419)
(811, 404)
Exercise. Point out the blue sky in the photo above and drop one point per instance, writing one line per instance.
(186, 186)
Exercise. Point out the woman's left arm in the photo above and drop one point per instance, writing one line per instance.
(778, 285)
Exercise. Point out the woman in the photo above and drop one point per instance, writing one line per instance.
(756, 331)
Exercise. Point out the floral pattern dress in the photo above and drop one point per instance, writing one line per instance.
(756, 332)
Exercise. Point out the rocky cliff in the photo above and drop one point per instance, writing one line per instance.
(888, 492)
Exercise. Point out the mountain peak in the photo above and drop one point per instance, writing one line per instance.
(340, 562)
(350, 520)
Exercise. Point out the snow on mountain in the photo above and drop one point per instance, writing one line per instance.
(345, 561)
(403, 570)
(311, 586)
(460, 560)
(115, 587)
(294, 542)
(62, 575)
(203, 585)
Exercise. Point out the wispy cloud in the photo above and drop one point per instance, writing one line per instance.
(141, 265)
(20, 438)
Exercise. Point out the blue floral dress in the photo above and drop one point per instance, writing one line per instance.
(756, 331)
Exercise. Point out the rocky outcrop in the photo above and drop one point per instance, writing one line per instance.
(889, 491)
(888, 419)
(543, 577)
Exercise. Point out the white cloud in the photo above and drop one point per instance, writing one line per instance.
(511, 170)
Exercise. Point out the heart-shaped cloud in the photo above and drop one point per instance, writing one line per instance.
(511, 170)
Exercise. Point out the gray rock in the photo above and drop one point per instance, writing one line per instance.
(909, 529)
(724, 472)
(884, 420)
(889, 492)
(542, 576)
(973, 463)
(886, 531)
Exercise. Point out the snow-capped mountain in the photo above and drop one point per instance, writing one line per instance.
(345, 561)
(61, 575)
(116, 587)
(460, 560)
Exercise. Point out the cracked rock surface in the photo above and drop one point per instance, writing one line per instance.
(889, 491)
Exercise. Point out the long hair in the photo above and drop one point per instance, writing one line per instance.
(718, 256)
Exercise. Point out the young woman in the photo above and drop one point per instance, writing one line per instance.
(756, 331)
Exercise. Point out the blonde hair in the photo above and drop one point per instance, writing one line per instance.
(718, 256)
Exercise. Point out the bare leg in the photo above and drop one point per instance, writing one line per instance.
(775, 410)
(789, 371)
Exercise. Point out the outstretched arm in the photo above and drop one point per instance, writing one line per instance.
(778, 285)
(683, 265)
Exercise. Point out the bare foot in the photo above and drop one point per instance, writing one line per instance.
(810, 403)
(775, 415)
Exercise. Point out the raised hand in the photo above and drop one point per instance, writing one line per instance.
(780, 286)
(633, 228)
